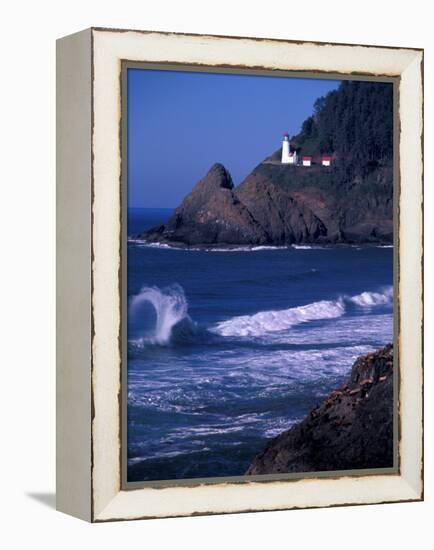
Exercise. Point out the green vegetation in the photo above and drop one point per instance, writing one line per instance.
(293, 178)
(353, 123)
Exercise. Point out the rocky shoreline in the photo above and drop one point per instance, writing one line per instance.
(278, 206)
(352, 429)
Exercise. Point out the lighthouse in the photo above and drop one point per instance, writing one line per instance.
(287, 156)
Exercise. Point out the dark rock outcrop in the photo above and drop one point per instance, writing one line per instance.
(351, 429)
(285, 219)
(280, 205)
(211, 214)
(296, 204)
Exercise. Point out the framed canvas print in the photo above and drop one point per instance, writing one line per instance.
(239, 246)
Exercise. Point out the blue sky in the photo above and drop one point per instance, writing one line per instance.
(180, 123)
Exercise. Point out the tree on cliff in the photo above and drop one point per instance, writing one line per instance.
(355, 123)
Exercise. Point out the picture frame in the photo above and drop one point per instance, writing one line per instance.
(91, 222)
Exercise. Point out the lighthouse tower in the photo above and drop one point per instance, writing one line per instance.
(287, 156)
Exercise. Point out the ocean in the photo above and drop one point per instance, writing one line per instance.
(227, 348)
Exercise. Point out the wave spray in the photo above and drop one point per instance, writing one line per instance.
(171, 310)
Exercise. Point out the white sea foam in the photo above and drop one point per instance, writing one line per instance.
(372, 299)
(238, 248)
(265, 322)
(263, 247)
(313, 247)
(157, 245)
(171, 309)
(272, 321)
(245, 248)
(170, 305)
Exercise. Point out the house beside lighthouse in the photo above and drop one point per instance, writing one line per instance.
(288, 157)
(291, 157)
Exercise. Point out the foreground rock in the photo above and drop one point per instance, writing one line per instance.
(351, 429)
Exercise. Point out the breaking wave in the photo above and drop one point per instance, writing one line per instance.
(371, 299)
(172, 321)
(273, 321)
(174, 325)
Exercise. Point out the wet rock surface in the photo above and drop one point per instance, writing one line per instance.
(351, 429)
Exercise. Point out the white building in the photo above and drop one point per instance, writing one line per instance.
(291, 157)
(288, 157)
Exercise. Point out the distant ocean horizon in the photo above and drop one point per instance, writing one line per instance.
(228, 349)
(140, 218)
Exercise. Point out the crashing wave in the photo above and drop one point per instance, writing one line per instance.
(372, 299)
(273, 321)
(174, 325)
(171, 310)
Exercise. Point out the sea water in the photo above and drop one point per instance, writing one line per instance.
(227, 348)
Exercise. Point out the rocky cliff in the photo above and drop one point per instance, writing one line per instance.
(280, 205)
(351, 429)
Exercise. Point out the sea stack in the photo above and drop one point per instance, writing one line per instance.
(211, 214)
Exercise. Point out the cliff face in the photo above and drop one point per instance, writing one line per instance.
(285, 217)
(351, 429)
(280, 205)
(296, 204)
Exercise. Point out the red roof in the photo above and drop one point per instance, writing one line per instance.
(307, 158)
(326, 157)
(286, 134)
